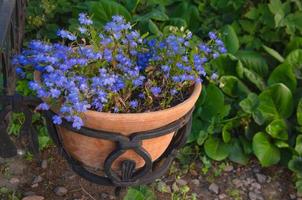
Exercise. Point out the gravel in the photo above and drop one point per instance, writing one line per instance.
(261, 178)
(181, 182)
(214, 188)
(33, 197)
(60, 191)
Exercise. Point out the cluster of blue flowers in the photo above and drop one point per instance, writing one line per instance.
(118, 72)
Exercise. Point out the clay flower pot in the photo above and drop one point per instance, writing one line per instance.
(92, 152)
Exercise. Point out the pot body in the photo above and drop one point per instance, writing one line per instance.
(92, 152)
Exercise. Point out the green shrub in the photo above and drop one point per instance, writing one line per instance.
(255, 106)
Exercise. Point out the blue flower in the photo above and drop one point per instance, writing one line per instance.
(166, 68)
(43, 106)
(82, 30)
(83, 19)
(66, 34)
(173, 92)
(141, 95)
(55, 93)
(155, 90)
(57, 119)
(20, 72)
(212, 35)
(138, 81)
(133, 104)
(214, 76)
(77, 122)
(215, 55)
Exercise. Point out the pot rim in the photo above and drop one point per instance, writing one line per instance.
(195, 93)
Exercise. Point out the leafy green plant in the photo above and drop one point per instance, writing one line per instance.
(140, 193)
(253, 108)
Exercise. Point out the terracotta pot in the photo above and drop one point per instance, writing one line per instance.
(93, 152)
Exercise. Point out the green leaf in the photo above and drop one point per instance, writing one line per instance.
(253, 61)
(139, 193)
(299, 113)
(250, 104)
(273, 53)
(230, 39)
(294, 44)
(131, 5)
(203, 135)
(299, 185)
(258, 117)
(153, 28)
(226, 64)
(197, 125)
(236, 153)
(281, 144)
(253, 13)
(254, 78)
(179, 22)
(214, 102)
(266, 152)
(276, 8)
(216, 149)
(294, 59)
(284, 74)
(226, 132)
(295, 165)
(277, 129)
(246, 145)
(103, 10)
(233, 87)
(43, 141)
(298, 146)
(276, 101)
(187, 11)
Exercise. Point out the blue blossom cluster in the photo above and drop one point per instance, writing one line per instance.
(120, 71)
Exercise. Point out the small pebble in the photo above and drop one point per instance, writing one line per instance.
(163, 187)
(33, 197)
(14, 181)
(29, 193)
(260, 178)
(214, 188)
(44, 164)
(104, 195)
(196, 182)
(292, 196)
(60, 191)
(228, 168)
(222, 196)
(237, 182)
(194, 172)
(20, 152)
(255, 196)
(181, 182)
(37, 179)
(255, 186)
(175, 188)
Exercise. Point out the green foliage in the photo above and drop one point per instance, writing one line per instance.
(266, 152)
(255, 107)
(140, 193)
(216, 149)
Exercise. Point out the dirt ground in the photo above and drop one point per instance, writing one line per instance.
(52, 179)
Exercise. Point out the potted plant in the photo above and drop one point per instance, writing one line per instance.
(116, 80)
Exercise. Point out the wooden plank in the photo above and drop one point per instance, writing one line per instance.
(6, 11)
